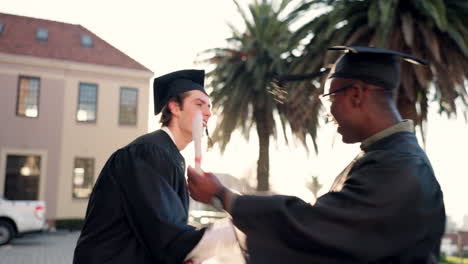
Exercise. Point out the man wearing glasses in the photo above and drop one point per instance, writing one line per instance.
(385, 207)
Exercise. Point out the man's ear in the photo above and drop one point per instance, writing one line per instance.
(174, 107)
(357, 95)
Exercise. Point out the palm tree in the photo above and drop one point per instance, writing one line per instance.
(243, 93)
(314, 186)
(435, 30)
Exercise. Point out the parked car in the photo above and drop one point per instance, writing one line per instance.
(18, 217)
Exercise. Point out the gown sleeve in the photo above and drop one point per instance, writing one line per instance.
(152, 205)
(377, 213)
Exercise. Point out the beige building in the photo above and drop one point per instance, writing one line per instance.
(68, 99)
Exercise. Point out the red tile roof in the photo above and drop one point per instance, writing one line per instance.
(64, 43)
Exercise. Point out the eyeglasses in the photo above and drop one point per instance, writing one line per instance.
(327, 100)
(338, 90)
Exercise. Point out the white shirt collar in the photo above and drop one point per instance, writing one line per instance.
(404, 126)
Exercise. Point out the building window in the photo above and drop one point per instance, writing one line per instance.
(28, 97)
(42, 34)
(83, 177)
(2, 28)
(22, 177)
(128, 106)
(86, 41)
(87, 103)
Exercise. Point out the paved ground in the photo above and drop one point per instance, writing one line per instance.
(57, 248)
(40, 248)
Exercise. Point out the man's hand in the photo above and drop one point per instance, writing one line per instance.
(202, 187)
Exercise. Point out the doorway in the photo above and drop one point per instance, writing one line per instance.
(22, 177)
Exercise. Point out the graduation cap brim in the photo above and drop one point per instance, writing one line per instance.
(375, 66)
(167, 86)
(362, 49)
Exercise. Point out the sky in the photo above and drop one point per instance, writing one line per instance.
(167, 35)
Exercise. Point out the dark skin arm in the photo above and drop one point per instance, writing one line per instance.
(203, 188)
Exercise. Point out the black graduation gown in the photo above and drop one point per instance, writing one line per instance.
(390, 210)
(138, 210)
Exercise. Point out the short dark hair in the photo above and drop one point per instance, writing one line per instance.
(166, 114)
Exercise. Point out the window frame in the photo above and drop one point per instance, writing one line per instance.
(42, 38)
(38, 180)
(86, 41)
(18, 96)
(74, 197)
(78, 104)
(120, 106)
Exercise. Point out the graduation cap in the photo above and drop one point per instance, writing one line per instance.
(174, 83)
(379, 67)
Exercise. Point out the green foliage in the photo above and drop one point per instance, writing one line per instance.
(69, 224)
(244, 94)
(429, 29)
(452, 260)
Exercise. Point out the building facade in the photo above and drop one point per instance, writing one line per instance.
(68, 99)
(455, 244)
(465, 223)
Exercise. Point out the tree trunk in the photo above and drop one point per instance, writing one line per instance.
(264, 127)
(263, 163)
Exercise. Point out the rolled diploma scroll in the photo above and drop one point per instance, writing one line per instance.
(197, 133)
